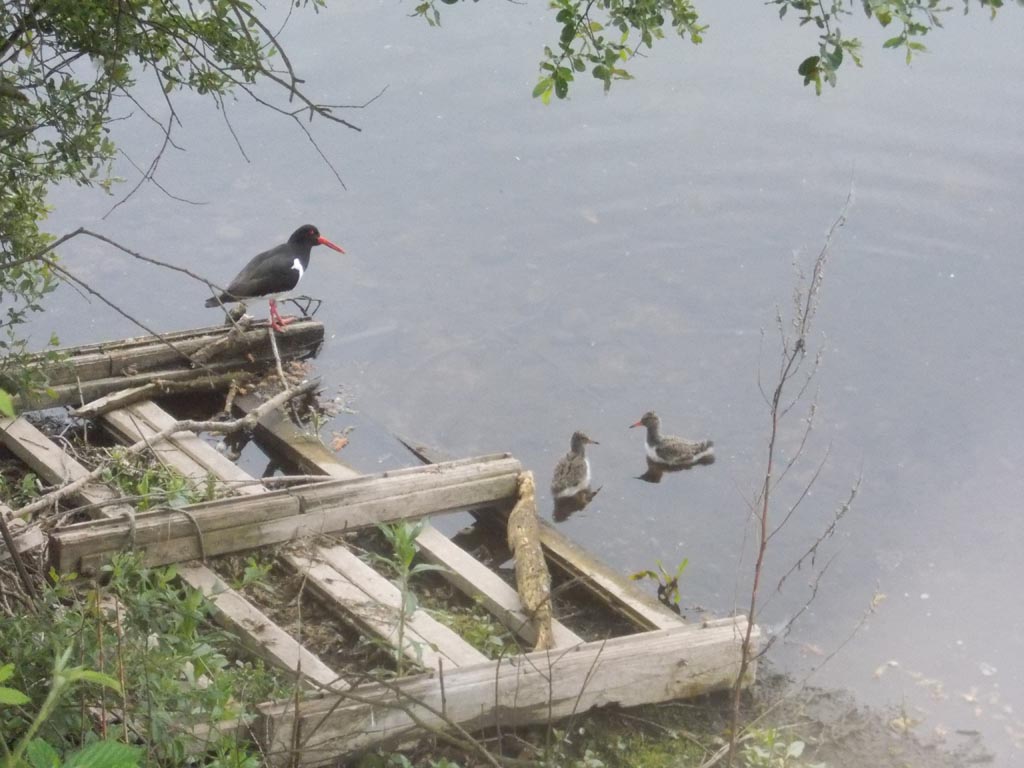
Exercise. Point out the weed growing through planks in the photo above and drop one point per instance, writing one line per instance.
(152, 484)
(668, 583)
(402, 539)
(21, 491)
(769, 748)
(476, 626)
(152, 636)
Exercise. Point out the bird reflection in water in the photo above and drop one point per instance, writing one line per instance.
(655, 470)
(567, 506)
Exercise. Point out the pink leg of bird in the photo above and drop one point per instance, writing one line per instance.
(276, 321)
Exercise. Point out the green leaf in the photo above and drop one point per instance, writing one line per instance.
(105, 754)
(809, 66)
(6, 404)
(5, 672)
(542, 87)
(12, 698)
(893, 42)
(41, 755)
(92, 676)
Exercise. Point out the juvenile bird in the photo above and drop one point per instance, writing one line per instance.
(275, 272)
(572, 472)
(672, 451)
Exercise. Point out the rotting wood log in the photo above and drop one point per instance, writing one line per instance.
(645, 668)
(364, 598)
(533, 581)
(231, 525)
(604, 582)
(93, 371)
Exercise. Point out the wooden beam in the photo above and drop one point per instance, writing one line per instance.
(56, 467)
(230, 525)
(466, 573)
(478, 581)
(278, 436)
(93, 371)
(370, 602)
(607, 584)
(646, 668)
(257, 632)
(188, 453)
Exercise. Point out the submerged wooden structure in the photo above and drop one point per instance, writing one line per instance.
(665, 658)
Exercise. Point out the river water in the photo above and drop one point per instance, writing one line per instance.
(516, 272)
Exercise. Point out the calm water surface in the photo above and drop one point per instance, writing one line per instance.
(517, 272)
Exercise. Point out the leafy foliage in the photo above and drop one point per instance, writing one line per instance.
(143, 628)
(602, 36)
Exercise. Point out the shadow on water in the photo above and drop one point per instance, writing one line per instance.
(567, 506)
(655, 470)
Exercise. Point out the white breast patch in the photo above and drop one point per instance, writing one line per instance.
(297, 266)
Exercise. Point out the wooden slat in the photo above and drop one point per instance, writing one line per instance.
(146, 419)
(337, 566)
(56, 467)
(278, 435)
(257, 632)
(230, 525)
(372, 603)
(479, 582)
(606, 583)
(94, 371)
(650, 667)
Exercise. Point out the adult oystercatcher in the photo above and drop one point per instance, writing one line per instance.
(275, 272)
(673, 451)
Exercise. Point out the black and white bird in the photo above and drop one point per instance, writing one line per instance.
(673, 451)
(275, 272)
(572, 472)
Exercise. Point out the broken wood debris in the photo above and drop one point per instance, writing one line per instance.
(533, 580)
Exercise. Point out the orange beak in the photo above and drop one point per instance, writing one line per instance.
(329, 244)
(638, 424)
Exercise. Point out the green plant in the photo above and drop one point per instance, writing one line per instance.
(38, 752)
(402, 539)
(144, 629)
(151, 483)
(20, 493)
(769, 748)
(668, 583)
(476, 626)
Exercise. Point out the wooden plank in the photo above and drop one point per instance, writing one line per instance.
(479, 582)
(607, 584)
(279, 436)
(432, 639)
(94, 372)
(230, 525)
(257, 632)
(148, 419)
(128, 429)
(370, 602)
(56, 467)
(647, 668)
(149, 353)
